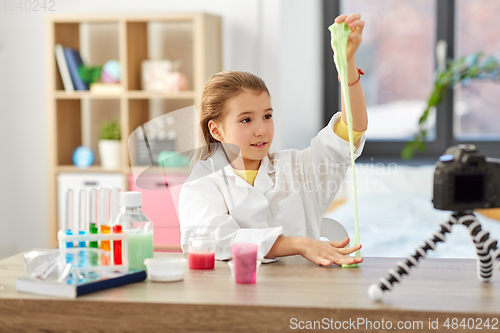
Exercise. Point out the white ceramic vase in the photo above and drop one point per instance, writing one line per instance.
(110, 153)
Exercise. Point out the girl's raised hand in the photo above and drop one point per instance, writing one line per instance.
(327, 253)
(355, 38)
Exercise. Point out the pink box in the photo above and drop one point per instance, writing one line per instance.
(161, 206)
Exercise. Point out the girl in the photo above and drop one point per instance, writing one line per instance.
(277, 200)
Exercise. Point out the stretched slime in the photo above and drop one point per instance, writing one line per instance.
(340, 34)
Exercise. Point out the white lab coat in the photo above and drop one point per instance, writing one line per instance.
(291, 192)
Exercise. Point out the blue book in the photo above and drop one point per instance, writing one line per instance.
(74, 60)
(54, 288)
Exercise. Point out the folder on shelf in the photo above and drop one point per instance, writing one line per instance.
(63, 68)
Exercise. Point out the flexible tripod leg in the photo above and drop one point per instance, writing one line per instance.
(484, 244)
(481, 238)
(375, 292)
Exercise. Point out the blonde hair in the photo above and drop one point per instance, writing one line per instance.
(218, 90)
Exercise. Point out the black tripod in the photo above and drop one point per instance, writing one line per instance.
(484, 246)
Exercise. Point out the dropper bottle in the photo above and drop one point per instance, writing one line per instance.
(138, 227)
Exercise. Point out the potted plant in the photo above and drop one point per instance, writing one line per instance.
(461, 70)
(110, 144)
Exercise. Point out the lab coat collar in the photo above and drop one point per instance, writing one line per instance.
(263, 181)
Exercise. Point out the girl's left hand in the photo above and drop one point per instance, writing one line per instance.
(355, 38)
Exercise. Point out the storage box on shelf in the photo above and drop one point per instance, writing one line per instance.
(74, 118)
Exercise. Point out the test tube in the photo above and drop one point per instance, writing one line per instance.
(114, 205)
(82, 225)
(117, 228)
(68, 221)
(94, 206)
(104, 219)
(92, 218)
(68, 214)
(82, 228)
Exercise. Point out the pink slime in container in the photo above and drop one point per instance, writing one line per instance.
(201, 260)
(245, 262)
(201, 250)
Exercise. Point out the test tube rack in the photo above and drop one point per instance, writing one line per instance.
(63, 238)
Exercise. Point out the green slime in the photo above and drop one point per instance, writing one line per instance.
(340, 34)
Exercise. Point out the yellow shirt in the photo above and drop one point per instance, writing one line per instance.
(248, 175)
(340, 129)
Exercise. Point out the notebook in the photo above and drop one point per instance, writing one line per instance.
(63, 289)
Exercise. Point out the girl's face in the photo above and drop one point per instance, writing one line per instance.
(247, 123)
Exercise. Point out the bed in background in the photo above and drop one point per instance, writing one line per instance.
(395, 212)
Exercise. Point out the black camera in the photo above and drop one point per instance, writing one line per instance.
(465, 179)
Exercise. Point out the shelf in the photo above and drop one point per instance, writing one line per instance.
(128, 170)
(92, 169)
(193, 39)
(61, 94)
(133, 94)
(138, 94)
(156, 170)
(115, 18)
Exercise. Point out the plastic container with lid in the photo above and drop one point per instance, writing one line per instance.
(201, 250)
(138, 227)
(165, 269)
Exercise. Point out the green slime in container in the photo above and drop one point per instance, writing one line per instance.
(140, 247)
(340, 34)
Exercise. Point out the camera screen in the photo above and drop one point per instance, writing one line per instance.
(469, 188)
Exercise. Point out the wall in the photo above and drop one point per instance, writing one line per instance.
(276, 39)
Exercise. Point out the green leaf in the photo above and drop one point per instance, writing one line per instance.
(90, 74)
(424, 116)
(462, 69)
(110, 130)
(490, 64)
(445, 78)
(474, 72)
(408, 152)
(436, 96)
(421, 145)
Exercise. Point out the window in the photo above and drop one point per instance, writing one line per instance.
(477, 105)
(398, 57)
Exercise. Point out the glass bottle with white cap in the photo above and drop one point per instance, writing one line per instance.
(138, 227)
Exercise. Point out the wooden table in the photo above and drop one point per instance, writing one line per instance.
(292, 287)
